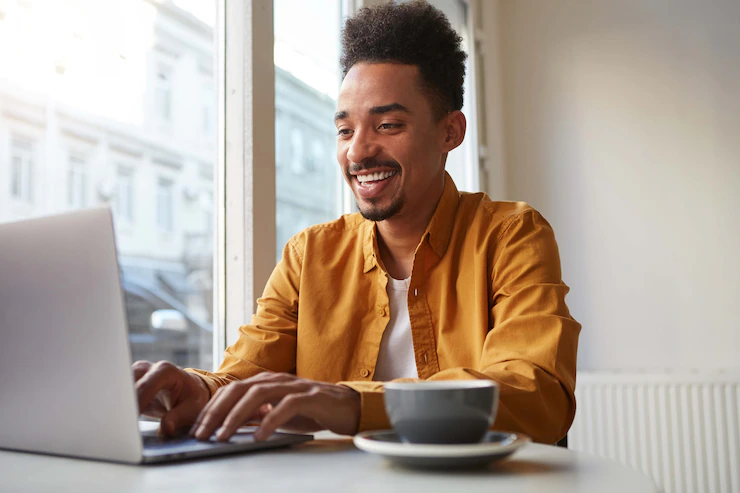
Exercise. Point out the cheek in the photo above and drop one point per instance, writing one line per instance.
(341, 154)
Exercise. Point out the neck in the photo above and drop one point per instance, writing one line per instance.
(399, 236)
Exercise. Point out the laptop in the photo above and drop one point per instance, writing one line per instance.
(66, 384)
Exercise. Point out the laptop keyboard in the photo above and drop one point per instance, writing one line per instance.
(155, 442)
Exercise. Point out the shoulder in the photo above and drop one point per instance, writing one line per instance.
(494, 215)
(338, 234)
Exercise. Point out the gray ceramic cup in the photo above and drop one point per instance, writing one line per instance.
(444, 411)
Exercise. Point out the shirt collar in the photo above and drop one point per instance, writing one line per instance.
(439, 229)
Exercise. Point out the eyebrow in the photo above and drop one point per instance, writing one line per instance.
(375, 110)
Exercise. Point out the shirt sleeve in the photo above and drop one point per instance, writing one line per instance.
(268, 343)
(530, 350)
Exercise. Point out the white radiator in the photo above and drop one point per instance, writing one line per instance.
(683, 430)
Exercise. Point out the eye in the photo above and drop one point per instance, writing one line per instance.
(344, 132)
(390, 126)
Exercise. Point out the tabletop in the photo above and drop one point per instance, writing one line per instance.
(327, 464)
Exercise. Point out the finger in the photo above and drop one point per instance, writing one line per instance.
(225, 399)
(140, 368)
(264, 411)
(258, 395)
(155, 409)
(299, 404)
(177, 420)
(213, 414)
(160, 376)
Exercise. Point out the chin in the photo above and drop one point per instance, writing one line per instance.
(375, 213)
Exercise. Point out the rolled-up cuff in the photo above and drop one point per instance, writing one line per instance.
(372, 405)
(210, 382)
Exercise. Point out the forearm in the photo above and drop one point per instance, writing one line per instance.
(531, 401)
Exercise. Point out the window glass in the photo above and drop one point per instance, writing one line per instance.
(111, 102)
(164, 204)
(307, 77)
(21, 170)
(124, 200)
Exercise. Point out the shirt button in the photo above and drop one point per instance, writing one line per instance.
(381, 311)
(364, 373)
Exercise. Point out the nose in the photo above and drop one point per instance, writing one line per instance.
(362, 146)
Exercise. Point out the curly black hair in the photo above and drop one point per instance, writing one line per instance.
(413, 33)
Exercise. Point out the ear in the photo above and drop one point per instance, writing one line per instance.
(454, 125)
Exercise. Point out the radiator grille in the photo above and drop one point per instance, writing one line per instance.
(683, 430)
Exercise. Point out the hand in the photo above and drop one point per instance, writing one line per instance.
(167, 392)
(279, 400)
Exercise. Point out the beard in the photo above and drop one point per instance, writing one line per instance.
(375, 212)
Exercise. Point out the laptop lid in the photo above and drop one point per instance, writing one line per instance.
(66, 385)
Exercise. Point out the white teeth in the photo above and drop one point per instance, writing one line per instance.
(375, 176)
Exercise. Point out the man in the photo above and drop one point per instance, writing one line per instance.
(425, 282)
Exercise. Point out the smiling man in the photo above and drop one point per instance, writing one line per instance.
(425, 282)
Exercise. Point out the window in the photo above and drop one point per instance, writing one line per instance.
(21, 170)
(163, 94)
(297, 157)
(125, 195)
(77, 182)
(209, 116)
(164, 204)
(315, 159)
(121, 61)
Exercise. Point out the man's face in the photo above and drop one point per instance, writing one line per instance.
(389, 144)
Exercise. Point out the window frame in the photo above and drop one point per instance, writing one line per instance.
(245, 192)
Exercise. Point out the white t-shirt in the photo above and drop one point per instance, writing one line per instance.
(396, 355)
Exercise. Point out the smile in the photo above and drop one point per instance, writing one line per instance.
(372, 177)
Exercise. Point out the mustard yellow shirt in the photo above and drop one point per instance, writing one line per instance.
(486, 301)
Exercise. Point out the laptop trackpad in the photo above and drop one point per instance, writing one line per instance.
(156, 446)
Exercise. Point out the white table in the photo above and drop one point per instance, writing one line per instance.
(328, 464)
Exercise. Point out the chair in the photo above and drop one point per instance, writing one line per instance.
(563, 442)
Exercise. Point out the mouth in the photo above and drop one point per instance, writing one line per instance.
(371, 178)
(370, 185)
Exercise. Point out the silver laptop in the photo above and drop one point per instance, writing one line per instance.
(66, 384)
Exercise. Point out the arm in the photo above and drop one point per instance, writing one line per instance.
(260, 368)
(270, 338)
(530, 350)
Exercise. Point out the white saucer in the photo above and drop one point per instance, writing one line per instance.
(494, 446)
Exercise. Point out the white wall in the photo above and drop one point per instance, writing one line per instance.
(621, 124)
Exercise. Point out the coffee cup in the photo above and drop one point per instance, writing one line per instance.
(443, 411)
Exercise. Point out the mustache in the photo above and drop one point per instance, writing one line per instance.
(372, 163)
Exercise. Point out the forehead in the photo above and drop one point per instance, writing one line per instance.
(369, 85)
